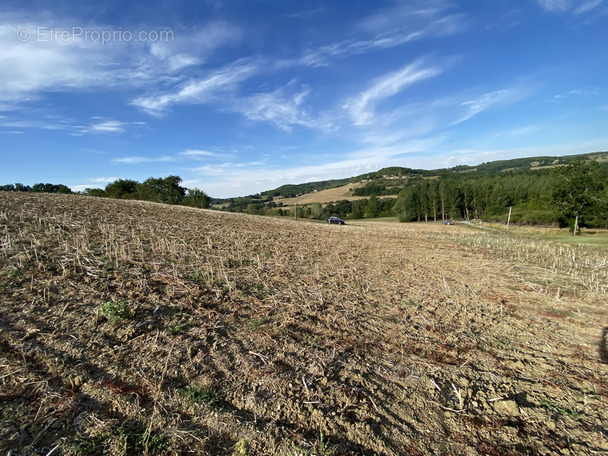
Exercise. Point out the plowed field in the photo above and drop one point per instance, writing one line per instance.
(137, 328)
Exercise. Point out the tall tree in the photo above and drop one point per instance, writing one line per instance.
(196, 198)
(121, 188)
(161, 190)
(373, 207)
(315, 210)
(574, 189)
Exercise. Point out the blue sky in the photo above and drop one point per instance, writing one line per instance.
(238, 97)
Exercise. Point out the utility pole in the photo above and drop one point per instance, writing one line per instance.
(509, 219)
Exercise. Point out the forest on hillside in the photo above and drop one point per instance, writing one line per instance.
(554, 196)
(537, 197)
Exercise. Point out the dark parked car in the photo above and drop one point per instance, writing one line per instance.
(335, 220)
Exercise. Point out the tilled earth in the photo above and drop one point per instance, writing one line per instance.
(130, 327)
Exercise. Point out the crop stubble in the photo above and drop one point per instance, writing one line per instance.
(135, 327)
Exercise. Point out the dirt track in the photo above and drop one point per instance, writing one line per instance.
(129, 327)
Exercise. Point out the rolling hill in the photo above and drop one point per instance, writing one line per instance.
(485, 190)
(393, 176)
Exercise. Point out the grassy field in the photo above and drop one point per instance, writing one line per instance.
(561, 236)
(136, 328)
(327, 196)
(324, 196)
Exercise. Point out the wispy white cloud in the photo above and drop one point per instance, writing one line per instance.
(390, 27)
(284, 108)
(404, 15)
(584, 92)
(555, 5)
(46, 124)
(98, 125)
(193, 47)
(102, 179)
(324, 55)
(37, 62)
(508, 20)
(106, 126)
(560, 97)
(525, 130)
(587, 6)
(93, 182)
(201, 90)
(483, 103)
(361, 107)
(198, 154)
(435, 118)
(307, 14)
(28, 68)
(82, 187)
(281, 108)
(514, 93)
(400, 126)
(202, 155)
(139, 159)
(560, 6)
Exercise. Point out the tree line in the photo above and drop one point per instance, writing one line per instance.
(36, 188)
(166, 190)
(371, 207)
(564, 196)
(157, 189)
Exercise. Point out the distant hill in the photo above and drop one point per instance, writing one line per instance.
(568, 190)
(392, 179)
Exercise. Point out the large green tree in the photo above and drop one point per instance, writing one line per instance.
(196, 198)
(316, 210)
(373, 207)
(575, 189)
(121, 188)
(167, 190)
